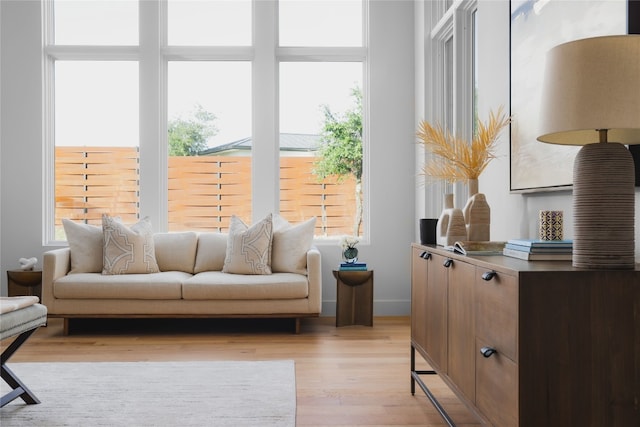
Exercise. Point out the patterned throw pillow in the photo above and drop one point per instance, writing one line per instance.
(249, 248)
(291, 242)
(128, 250)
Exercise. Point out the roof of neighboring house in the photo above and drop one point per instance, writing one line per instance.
(288, 142)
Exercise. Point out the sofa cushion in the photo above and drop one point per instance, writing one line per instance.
(291, 244)
(85, 243)
(176, 251)
(212, 248)
(153, 286)
(218, 285)
(128, 250)
(249, 248)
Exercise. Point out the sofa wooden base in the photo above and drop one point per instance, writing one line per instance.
(67, 318)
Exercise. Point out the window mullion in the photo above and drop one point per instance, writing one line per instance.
(463, 87)
(49, 157)
(327, 54)
(153, 107)
(265, 107)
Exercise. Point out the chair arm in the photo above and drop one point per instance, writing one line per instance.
(314, 274)
(56, 264)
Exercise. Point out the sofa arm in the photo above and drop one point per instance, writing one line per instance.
(314, 274)
(55, 264)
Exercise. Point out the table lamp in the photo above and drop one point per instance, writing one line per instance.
(591, 97)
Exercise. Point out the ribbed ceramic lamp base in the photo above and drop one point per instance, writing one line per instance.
(604, 207)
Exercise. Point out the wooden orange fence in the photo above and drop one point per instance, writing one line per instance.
(203, 191)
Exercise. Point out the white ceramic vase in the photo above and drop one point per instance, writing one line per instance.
(451, 226)
(477, 215)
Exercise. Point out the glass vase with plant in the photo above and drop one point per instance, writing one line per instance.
(349, 250)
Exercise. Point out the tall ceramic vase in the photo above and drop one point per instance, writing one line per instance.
(451, 226)
(477, 214)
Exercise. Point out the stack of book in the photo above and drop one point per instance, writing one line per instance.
(353, 266)
(543, 250)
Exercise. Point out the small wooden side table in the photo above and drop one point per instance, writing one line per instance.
(24, 282)
(354, 304)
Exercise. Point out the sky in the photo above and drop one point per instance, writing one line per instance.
(90, 97)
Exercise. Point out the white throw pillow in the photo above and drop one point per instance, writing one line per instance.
(291, 244)
(85, 243)
(128, 250)
(212, 248)
(249, 248)
(175, 251)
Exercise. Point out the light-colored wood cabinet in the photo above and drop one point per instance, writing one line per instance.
(528, 343)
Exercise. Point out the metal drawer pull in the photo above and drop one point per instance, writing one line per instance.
(447, 262)
(425, 255)
(488, 275)
(488, 351)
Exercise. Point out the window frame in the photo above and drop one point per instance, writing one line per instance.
(153, 55)
(455, 22)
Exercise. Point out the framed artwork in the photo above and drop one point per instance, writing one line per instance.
(536, 27)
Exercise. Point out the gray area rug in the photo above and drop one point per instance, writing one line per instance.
(217, 393)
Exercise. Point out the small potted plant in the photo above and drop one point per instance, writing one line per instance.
(349, 250)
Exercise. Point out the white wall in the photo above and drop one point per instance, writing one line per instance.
(20, 134)
(390, 179)
(512, 215)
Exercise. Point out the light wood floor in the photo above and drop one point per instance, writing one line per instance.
(348, 376)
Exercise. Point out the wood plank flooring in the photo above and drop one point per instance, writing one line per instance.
(348, 376)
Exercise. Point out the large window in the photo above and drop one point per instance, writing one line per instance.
(94, 23)
(173, 109)
(454, 79)
(209, 23)
(321, 145)
(93, 112)
(209, 168)
(305, 23)
(96, 134)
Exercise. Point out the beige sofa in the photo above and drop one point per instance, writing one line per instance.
(190, 283)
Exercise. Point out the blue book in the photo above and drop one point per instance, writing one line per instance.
(353, 268)
(353, 264)
(540, 249)
(536, 243)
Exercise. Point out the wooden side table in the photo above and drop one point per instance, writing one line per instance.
(354, 304)
(24, 282)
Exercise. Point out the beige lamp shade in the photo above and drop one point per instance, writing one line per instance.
(591, 95)
(592, 84)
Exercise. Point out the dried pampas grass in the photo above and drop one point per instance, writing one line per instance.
(454, 159)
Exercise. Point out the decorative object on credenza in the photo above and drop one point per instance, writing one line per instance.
(455, 159)
(539, 250)
(451, 226)
(591, 95)
(428, 231)
(27, 264)
(349, 250)
(551, 225)
(477, 214)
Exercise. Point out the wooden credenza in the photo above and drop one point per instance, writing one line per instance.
(528, 344)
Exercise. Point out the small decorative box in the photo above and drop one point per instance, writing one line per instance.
(551, 225)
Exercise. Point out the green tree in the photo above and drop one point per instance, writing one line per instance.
(188, 136)
(341, 152)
